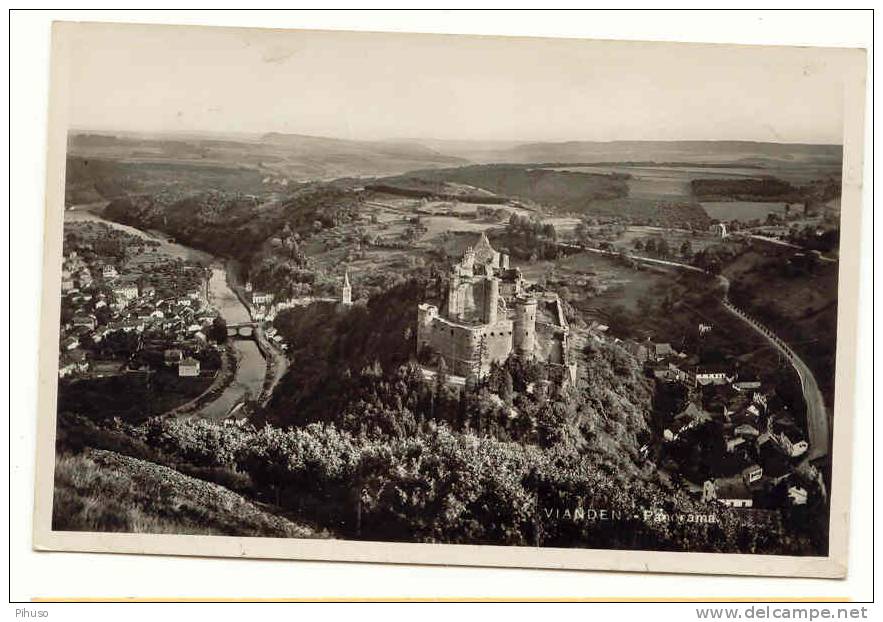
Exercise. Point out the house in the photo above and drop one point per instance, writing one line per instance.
(109, 272)
(792, 444)
(189, 367)
(746, 430)
(718, 229)
(72, 363)
(733, 492)
(788, 437)
(85, 278)
(261, 298)
(70, 343)
(709, 491)
(84, 320)
(67, 285)
(173, 356)
(797, 495)
(691, 417)
(660, 351)
(67, 369)
(752, 473)
(733, 443)
(710, 375)
(106, 367)
(760, 400)
(746, 384)
(125, 292)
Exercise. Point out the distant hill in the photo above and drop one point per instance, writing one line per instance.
(582, 193)
(692, 151)
(275, 157)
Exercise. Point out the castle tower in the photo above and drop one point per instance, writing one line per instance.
(426, 314)
(346, 292)
(524, 326)
(491, 300)
(454, 306)
(467, 264)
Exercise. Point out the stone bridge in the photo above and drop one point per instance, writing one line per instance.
(244, 330)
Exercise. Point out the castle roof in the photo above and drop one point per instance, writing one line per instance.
(461, 242)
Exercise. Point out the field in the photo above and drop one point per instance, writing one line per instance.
(597, 284)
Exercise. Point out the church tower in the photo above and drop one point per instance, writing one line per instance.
(346, 292)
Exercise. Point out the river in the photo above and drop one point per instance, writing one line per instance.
(251, 367)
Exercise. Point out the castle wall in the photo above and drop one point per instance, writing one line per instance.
(460, 344)
(498, 343)
(550, 344)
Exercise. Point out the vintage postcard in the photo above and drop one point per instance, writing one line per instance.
(450, 299)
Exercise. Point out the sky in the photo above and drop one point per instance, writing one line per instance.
(388, 86)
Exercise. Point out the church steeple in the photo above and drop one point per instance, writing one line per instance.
(346, 293)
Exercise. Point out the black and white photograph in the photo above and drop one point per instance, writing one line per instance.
(579, 302)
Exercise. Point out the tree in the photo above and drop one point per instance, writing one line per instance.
(639, 245)
(219, 330)
(441, 375)
(506, 388)
(686, 249)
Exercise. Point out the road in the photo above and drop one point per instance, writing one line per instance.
(764, 238)
(816, 413)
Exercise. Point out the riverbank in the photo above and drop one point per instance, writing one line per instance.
(243, 356)
(277, 361)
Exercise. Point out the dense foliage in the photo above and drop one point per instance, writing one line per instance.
(234, 224)
(762, 189)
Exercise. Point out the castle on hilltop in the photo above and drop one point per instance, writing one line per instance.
(488, 315)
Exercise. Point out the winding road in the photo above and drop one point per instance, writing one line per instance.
(818, 428)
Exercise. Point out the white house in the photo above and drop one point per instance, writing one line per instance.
(752, 473)
(261, 298)
(189, 367)
(789, 446)
(126, 293)
(797, 495)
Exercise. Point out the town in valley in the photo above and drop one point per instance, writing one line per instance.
(338, 356)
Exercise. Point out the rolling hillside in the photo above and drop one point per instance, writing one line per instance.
(101, 490)
(276, 159)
